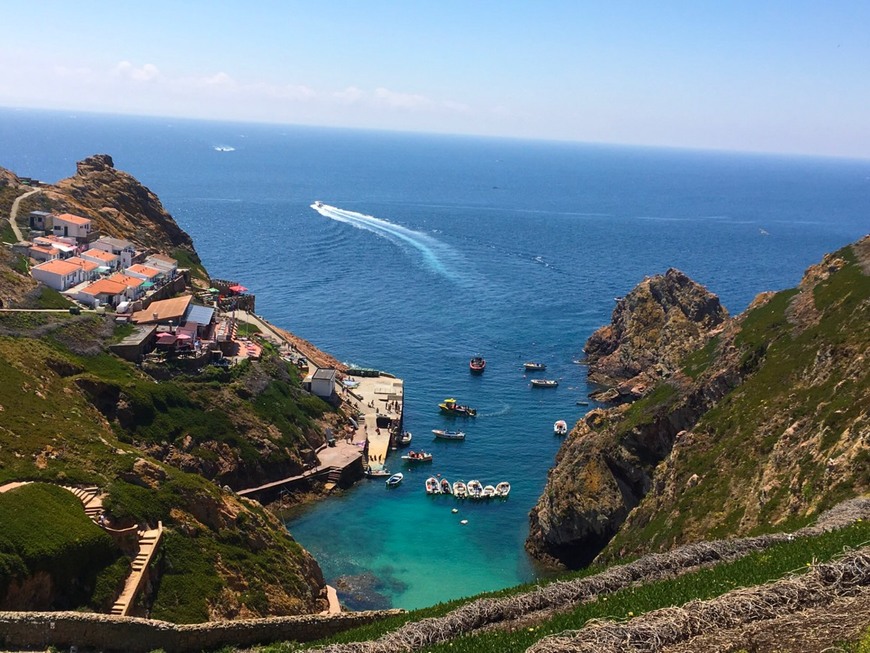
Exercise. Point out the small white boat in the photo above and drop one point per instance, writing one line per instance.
(534, 367)
(475, 489)
(503, 489)
(395, 479)
(544, 383)
(445, 487)
(488, 491)
(405, 438)
(417, 457)
(375, 473)
(433, 486)
(318, 204)
(448, 435)
(560, 427)
(460, 491)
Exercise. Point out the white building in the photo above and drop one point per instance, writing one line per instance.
(74, 226)
(122, 248)
(90, 269)
(57, 274)
(102, 292)
(104, 259)
(163, 263)
(323, 382)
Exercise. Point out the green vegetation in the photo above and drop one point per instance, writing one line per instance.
(648, 409)
(45, 529)
(187, 259)
(50, 298)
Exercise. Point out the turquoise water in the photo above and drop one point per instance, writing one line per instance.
(440, 248)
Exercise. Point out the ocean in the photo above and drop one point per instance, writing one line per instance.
(433, 249)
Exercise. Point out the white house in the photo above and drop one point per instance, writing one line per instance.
(57, 274)
(102, 292)
(41, 220)
(43, 253)
(74, 226)
(65, 246)
(133, 284)
(122, 248)
(90, 269)
(105, 259)
(163, 263)
(144, 272)
(323, 382)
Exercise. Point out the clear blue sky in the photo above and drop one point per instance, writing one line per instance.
(775, 76)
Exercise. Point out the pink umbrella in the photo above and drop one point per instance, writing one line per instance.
(238, 288)
(182, 336)
(165, 335)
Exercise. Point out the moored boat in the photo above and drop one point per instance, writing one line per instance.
(405, 438)
(477, 365)
(488, 491)
(395, 479)
(451, 407)
(475, 489)
(448, 435)
(560, 427)
(417, 457)
(376, 473)
(433, 486)
(534, 367)
(459, 489)
(544, 383)
(502, 489)
(446, 487)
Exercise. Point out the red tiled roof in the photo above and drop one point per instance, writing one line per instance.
(135, 282)
(72, 219)
(166, 309)
(57, 266)
(138, 268)
(105, 286)
(100, 254)
(87, 266)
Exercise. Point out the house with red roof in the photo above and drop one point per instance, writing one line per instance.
(133, 284)
(104, 259)
(90, 269)
(58, 274)
(102, 292)
(74, 226)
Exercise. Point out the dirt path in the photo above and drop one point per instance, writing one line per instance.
(13, 213)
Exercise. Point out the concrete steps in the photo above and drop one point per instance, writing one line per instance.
(149, 541)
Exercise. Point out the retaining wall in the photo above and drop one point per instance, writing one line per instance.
(108, 633)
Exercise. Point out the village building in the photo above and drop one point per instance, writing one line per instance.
(106, 260)
(151, 276)
(65, 246)
(124, 249)
(167, 265)
(165, 311)
(137, 344)
(42, 253)
(134, 284)
(102, 292)
(41, 221)
(74, 226)
(90, 270)
(57, 274)
(322, 382)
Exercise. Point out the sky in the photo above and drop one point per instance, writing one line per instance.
(764, 76)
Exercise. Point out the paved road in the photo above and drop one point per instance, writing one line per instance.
(14, 213)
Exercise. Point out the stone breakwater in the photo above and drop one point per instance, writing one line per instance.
(23, 630)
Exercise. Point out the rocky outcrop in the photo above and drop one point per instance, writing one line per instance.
(652, 329)
(767, 422)
(119, 206)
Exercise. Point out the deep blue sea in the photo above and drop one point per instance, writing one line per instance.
(441, 248)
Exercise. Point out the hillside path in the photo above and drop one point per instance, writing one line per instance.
(13, 213)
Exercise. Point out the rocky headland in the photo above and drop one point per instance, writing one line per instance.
(729, 426)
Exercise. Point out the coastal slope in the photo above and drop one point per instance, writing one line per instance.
(763, 425)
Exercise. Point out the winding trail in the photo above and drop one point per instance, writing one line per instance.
(13, 213)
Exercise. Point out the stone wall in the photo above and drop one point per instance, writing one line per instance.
(108, 633)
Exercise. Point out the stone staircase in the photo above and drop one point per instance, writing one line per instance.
(149, 541)
(332, 478)
(91, 499)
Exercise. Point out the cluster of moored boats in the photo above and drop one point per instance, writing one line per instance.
(472, 490)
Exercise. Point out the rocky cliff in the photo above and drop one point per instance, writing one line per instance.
(765, 424)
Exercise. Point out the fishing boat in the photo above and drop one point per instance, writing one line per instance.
(502, 489)
(318, 204)
(560, 427)
(534, 367)
(433, 486)
(475, 489)
(460, 490)
(477, 365)
(544, 383)
(376, 473)
(405, 438)
(395, 479)
(488, 492)
(448, 435)
(451, 407)
(417, 457)
(446, 487)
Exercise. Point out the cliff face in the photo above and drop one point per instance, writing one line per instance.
(766, 423)
(652, 329)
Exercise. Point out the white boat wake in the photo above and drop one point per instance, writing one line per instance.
(433, 252)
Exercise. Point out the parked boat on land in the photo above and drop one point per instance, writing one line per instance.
(488, 491)
(534, 367)
(477, 365)
(446, 487)
(560, 427)
(475, 489)
(448, 435)
(417, 457)
(395, 479)
(460, 490)
(451, 407)
(544, 383)
(503, 489)
(433, 486)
